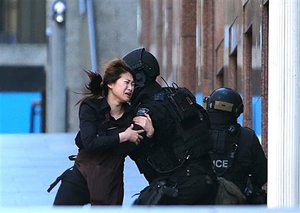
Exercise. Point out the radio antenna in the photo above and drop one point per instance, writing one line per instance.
(165, 81)
(169, 88)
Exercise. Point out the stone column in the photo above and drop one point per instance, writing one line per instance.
(187, 73)
(56, 77)
(284, 102)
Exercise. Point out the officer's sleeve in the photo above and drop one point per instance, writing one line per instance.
(259, 169)
(162, 122)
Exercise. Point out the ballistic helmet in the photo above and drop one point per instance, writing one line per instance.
(144, 66)
(225, 99)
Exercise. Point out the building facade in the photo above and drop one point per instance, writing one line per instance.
(204, 44)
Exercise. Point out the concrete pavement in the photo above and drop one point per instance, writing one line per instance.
(30, 162)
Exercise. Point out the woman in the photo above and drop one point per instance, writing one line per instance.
(106, 130)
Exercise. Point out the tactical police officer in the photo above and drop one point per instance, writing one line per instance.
(237, 154)
(175, 161)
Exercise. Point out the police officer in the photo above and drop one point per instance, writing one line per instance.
(237, 154)
(178, 170)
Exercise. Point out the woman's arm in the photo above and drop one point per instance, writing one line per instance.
(95, 139)
(91, 137)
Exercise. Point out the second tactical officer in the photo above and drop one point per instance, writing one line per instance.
(175, 161)
(237, 154)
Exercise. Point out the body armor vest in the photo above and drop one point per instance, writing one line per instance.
(190, 139)
(225, 144)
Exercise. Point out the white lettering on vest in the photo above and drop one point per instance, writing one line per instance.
(220, 163)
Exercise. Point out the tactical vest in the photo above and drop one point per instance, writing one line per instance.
(226, 144)
(190, 139)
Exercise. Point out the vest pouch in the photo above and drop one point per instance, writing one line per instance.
(228, 193)
(152, 194)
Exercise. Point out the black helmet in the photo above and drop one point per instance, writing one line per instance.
(225, 99)
(143, 64)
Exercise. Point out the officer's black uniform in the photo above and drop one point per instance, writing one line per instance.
(189, 179)
(248, 159)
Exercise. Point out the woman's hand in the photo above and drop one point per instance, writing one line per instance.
(146, 123)
(131, 135)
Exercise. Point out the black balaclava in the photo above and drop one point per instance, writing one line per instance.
(146, 68)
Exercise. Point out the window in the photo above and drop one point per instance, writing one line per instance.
(22, 21)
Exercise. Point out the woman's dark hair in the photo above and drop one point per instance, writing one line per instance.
(97, 87)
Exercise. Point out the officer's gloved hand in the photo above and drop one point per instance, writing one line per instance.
(145, 123)
(141, 112)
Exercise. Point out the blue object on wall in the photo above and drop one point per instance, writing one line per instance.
(15, 112)
(199, 98)
(256, 114)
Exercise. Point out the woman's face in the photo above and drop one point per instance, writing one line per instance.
(122, 89)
